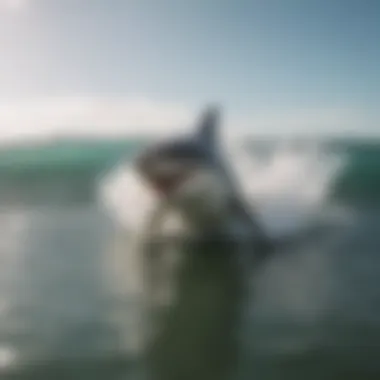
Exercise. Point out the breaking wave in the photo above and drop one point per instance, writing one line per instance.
(287, 184)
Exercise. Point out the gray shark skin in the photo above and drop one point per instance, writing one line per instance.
(193, 156)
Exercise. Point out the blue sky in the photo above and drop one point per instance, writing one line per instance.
(277, 66)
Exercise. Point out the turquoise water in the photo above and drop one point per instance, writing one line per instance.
(314, 312)
(360, 181)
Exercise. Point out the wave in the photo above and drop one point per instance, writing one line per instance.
(340, 172)
(360, 180)
(287, 184)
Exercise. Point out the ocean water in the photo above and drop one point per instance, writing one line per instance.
(71, 287)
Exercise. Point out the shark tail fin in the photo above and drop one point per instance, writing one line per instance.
(208, 126)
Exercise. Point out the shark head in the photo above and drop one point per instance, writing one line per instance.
(184, 171)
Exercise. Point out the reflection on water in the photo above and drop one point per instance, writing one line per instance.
(189, 296)
(198, 334)
(14, 236)
(72, 305)
(52, 302)
(71, 292)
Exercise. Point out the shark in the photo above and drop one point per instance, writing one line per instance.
(191, 176)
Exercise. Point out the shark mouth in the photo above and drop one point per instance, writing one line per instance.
(167, 184)
(165, 175)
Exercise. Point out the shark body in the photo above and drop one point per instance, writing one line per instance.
(191, 177)
(196, 336)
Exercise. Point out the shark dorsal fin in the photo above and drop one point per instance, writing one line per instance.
(208, 126)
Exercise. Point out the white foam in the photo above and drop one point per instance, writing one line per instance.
(288, 187)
